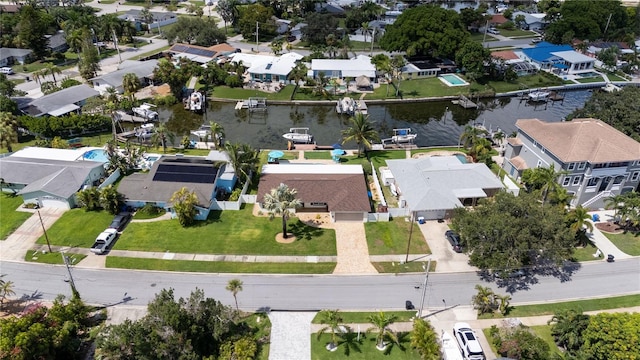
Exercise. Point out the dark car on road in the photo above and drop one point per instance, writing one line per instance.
(120, 221)
(454, 240)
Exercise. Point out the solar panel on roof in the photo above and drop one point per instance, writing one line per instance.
(200, 52)
(186, 173)
(179, 48)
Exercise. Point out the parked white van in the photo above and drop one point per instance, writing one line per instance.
(6, 70)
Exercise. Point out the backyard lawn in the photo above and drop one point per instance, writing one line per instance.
(418, 88)
(590, 80)
(77, 228)
(526, 82)
(228, 232)
(628, 242)
(11, 219)
(97, 140)
(365, 349)
(225, 92)
(391, 238)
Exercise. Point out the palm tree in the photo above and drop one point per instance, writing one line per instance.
(8, 130)
(89, 199)
(615, 202)
(130, 84)
(397, 63)
(484, 300)
(423, 339)
(243, 159)
(235, 286)
(111, 200)
(505, 301)
(298, 73)
(147, 17)
(160, 137)
(567, 327)
(39, 75)
(578, 220)
(6, 290)
(471, 135)
(383, 65)
(50, 68)
(499, 136)
(217, 133)
(549, 178)
(361, 131)
(331, 319)
(381, 322)
(280, 201)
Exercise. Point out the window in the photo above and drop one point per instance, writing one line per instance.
(576, 180)
(618, 180)
(635, 176)
(592, 182)
(582, 165)
(571, 166)
(566, 181)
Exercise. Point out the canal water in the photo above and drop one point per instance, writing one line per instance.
(437, 123)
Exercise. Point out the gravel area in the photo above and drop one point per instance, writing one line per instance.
(290, 335)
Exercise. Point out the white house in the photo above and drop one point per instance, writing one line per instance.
(341, 69)
(534, 21)
(268, 68)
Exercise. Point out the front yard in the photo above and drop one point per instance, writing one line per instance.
(628, 242)
(11, 219)
(385, 238)
(77, 228)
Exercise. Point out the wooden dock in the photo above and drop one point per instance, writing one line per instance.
(465, 103)
(124, 117)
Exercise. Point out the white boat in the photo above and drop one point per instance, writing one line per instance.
(145, 111)
(299, 136)
(538, 95)
(196, 101)
(609, 87)
(202, 132)
(405, 135)
(346, 105)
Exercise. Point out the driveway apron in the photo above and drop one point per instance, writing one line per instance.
(24, 237)
(290, 335)
(353, 252)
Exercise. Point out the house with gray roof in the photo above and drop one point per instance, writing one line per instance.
(61, 102)
(342, 69)
(142, 69)
(57, 42)
(598, 160)
(42, 180)
(432, 187)
(10, 56)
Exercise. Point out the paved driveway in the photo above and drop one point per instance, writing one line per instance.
(448, 260)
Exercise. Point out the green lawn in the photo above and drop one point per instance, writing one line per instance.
(479, 37)
(139, 215)
(219, 266)
(418, 88)
(52, 257)
(526, 82)
(228, 232)
(590, 80)
(320, 155)
(452, 148)
(413, 266)
(97, 140)
(152, 52)
(544, 332)
(77, 228)
(585, 253)
(614, 77)
(390, 238)
(362, 317)
(584, 305)
(628, 242)
(11, 219)
(517, 33)
(365, 350)
(225, 92)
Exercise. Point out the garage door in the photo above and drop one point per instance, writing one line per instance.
(348, 216)
(432, 214)
(53, 202)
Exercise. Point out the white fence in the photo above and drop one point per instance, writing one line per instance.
(111, 179)
(234, 205)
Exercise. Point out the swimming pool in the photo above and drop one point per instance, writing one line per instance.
(462, 158)
(452, 80)
(590, 74)
(97, 155)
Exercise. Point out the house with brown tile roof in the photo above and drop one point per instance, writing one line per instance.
(599, 161)
(340, 190)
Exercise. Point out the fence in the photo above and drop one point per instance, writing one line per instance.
(111, 179)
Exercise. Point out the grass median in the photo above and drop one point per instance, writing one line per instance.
(219, 266)
(11, 219)
(362, 317)
(52, 258)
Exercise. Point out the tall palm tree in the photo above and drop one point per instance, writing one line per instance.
(615, 202)
(383, 66)
(39, 75)
(298, 73)
(397, 63)
(549, 177)
(235, 286)
(244, 160)
(381, 322)
(567, 327)
(8, 130)
(471, 135)
(361, 131)
(331, 320)
(52, 69)
(147, 17)
(578, 220)
(130, 84)
(280, 201)
(161, 135)
(217, 133)
(6, 290)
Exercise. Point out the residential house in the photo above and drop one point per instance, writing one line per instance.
(498, 19)
(343, 69)
(599, 160)
(58, 42)
(331, 7)
(432, 187)
(560, 59)
(142, 69)
(10, 56)
(282, 26)
(9, 8)
(340, 190)
(535, 21)
(268, 68)
(508, 58)
(159, 19)
(201, 54)
(61, 102)
(50, 177)
(297, 30)
(420, 68)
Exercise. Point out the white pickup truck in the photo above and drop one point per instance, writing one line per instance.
(103, 241)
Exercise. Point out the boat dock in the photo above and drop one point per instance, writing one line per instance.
(253, 104)
(465, 103)
(124, 117)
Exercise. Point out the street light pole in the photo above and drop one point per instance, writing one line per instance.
(424, 288)
(74, 291)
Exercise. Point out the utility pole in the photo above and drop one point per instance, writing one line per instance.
(45, 231)
(424, 288)
(257, 43)
(607, 27)
(74, 291)
(373, 36)
(115, 43)
(412, 219)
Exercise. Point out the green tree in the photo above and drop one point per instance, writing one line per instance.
(130, 84)
(319, 26)
(612, 336)
(32, 29)
(89, 62)
(6, 290)
(397, 63)
(381, 322)
(228, 11)
(242, 348)
(175, 77)
(472, 58)
(111, 200)
(425, 340)
(280, 201)
(276, 46)
(256, 13)
(217, 133)
(567, 327)
(8, 131)
(332, 321)
(7, 87)
(382, 62)
(484, 300)
(9, 106)
(588, 20)
(234, 286)
(471, 135)
(425, 30)
(298, 73)
(522, 343)
(544, 179)
(52, 70)
(361, 131)
(147, 18)
(196, 31)
(243, 159)
(162, 135)
(184, 205)
(578, 221)
(89, 199)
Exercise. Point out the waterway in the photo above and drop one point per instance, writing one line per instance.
(437, 123)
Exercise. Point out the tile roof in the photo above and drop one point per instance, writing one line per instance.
(582, 140)
(341, 191)
(505, 55)
(519, 163)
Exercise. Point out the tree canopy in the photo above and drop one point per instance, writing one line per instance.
(256, 13)
(195, 30)
(319, 27)
(619, 109)
(426, 30)
(510, 232)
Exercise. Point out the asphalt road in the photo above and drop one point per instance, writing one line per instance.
(313, 292)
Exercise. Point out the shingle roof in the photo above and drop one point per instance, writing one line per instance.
(56, 40)
(341, 191)
(505, 55)
(519, 163)
(6, 53)
(434, 183)
(60, 178)
(582, 140)
(52, 102)
(140, 68)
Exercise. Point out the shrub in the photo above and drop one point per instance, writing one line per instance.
(150, 209)
(68, 82)
(167, 100)
(235, 195)
(232, 81)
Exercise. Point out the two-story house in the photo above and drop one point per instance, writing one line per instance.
(596, 160)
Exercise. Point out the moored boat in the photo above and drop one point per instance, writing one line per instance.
(299, 136)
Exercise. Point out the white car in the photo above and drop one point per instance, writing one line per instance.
(6, 70)
(493, 31)
(468, 342)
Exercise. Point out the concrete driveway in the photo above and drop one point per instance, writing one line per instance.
(448, 260)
